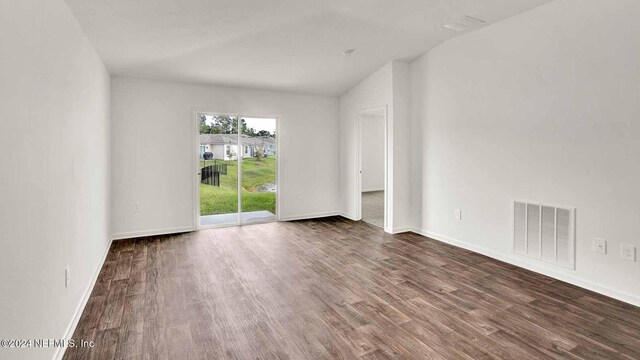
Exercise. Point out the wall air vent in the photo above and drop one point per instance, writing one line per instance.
(464, 23)
(545, 232)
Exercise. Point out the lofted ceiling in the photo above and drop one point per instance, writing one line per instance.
(290, 45)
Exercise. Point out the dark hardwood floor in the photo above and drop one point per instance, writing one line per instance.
(334, 288)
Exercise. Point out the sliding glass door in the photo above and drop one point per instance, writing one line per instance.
(236, 169)
(258, 177)
(218, 169)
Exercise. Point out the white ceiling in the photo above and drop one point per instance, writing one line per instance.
(292, 45)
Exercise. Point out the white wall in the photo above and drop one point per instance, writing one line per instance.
(54, 170)
(375, 91)
(390, 87)
(401, 144)
(153, 153)
(372, 148)
(544, 106)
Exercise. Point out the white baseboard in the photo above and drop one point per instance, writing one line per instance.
(135, 234)
(396, 230)
(309, 216)
(513, 259)
(350, 217)
(71, 328)
(401, 229)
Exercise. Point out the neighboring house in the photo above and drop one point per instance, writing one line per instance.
(225, 146)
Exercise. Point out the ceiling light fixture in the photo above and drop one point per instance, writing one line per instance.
(348, 52)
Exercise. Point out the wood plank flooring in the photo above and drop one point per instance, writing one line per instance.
(337, 289)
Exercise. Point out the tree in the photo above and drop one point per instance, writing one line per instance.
(245, 130)
(224, 125)
(228, 125)
(259, 153)
(204, 127)
(243, 126)
(216, 125)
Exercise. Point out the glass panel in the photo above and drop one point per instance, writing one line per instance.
(258, 169)
(219, 169)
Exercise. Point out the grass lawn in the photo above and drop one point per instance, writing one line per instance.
(224, 199)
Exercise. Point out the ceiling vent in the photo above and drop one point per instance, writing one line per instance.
(464, 23)
(545, 232)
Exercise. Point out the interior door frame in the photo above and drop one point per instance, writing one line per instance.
(196, 163)
(387, 196)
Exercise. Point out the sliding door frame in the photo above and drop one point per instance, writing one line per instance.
(195, 146)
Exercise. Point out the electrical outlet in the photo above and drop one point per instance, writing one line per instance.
(600, 246)
(137, 208)
(628, 252)
(458, 214)
(67, 276)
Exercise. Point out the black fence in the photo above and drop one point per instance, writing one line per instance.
(210, 175)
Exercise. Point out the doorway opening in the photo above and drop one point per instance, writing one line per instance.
(236, 170)
(372, 172)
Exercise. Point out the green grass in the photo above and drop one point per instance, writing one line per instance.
(224, 199)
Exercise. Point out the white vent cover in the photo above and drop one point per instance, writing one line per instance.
(544, 232)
